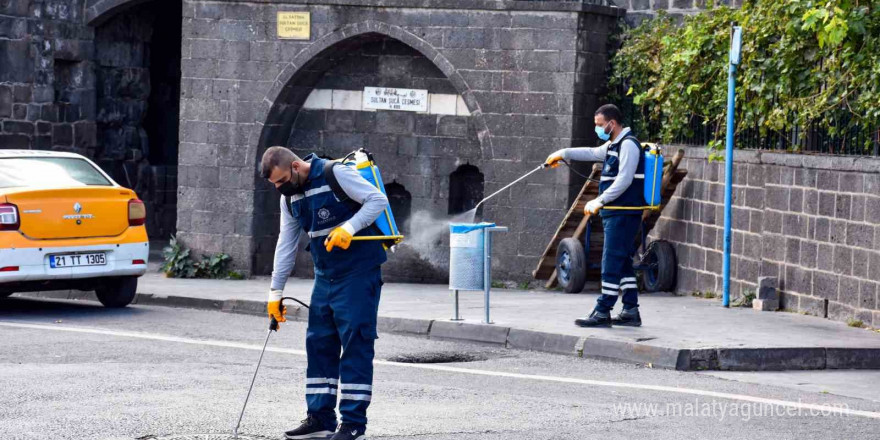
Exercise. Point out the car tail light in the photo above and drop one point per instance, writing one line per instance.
(9, 219)
(9, 269)
(138, 262)
(137, 212)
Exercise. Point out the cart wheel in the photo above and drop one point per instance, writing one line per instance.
(571, 265)
(661, 267)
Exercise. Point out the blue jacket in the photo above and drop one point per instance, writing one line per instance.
(318, 212)
(634, 195)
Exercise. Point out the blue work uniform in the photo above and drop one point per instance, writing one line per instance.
(621, 227)
(344, 306)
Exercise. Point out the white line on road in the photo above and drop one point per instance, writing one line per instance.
(667, 389)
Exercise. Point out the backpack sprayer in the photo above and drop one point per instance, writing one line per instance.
(385, 227)
(363, 162)
(653, 180)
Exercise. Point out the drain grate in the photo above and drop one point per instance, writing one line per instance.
(204, 437)
(437, 358)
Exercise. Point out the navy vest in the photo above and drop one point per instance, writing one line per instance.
(634, 195)
(318, 212)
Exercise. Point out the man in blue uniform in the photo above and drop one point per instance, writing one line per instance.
(348, 281)
(621, 186)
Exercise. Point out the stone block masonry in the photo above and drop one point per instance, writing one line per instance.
(810, 221)
(96, 90)
(513, 81)
(179, 98)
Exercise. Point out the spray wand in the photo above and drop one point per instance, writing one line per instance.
(540, 167)
(273, 326)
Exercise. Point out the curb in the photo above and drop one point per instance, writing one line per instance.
(672, 358)
(683, 359)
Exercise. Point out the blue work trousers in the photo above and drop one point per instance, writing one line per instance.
(618, 274)
(342, 318)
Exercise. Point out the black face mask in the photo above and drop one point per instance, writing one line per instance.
(289, 188)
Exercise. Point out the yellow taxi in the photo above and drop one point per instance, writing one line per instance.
(65, 224)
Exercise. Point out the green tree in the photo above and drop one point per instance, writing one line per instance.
(804, 64)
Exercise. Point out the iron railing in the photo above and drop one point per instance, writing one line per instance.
(855, 141)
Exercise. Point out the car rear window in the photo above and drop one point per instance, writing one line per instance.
(49, 172)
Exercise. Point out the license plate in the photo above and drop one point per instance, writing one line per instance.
(77, 260)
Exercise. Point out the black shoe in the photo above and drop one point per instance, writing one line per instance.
(350, 431)
(596, 319)
(311, 428)
(628, 318)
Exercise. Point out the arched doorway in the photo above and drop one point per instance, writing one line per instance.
(137, 101)
(320, 109)
(400, 201)
(465, 189)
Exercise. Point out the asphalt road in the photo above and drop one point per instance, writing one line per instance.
(74, 370)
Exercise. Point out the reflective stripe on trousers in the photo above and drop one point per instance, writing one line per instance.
(342, 318)
(617, 267)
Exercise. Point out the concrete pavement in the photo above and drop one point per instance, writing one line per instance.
(74, 370)
(683, 333)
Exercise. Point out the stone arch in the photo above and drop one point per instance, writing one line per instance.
(99, 11)
(281, 106)
(271, 114)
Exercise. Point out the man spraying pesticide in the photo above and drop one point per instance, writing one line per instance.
(620, 202)
(336, 207)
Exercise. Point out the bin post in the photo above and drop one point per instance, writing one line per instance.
(456, 316)
(487, 267)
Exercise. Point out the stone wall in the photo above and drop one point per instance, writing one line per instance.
(641, 10)
(47, 77)
(68, 86)
(527, 72)
(812, 221)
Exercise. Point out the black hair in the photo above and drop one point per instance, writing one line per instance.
(276, 157)
(610, 112)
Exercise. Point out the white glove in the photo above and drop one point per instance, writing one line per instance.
(275, 295)
(593, 207)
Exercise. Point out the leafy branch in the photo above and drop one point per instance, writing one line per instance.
(805, 64)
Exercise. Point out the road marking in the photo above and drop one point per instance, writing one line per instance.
(568, 380)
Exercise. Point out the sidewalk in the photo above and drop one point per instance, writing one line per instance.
(684, 333)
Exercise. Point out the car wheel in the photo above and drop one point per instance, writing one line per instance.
(117, 292)
(571, 265)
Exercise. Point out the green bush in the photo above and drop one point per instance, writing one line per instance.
(805, 64)
(180, 264)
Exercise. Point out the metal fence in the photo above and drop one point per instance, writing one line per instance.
(857, 141)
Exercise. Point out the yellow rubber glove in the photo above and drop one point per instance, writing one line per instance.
(273, 307)
(593, 207)
(339, 237)
(554, 158)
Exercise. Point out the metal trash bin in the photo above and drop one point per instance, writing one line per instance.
(467, 256)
